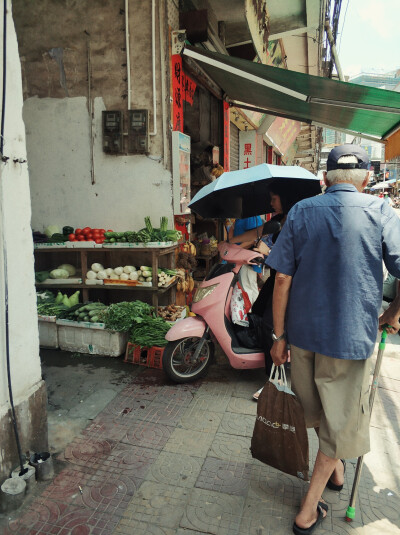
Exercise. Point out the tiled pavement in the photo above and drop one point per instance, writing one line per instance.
(165, 459)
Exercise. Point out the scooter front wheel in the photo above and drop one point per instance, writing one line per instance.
(179, 363)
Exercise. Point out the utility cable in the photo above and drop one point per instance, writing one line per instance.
(6, 315)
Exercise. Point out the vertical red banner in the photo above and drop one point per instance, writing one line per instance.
(270, 154)
(177, 100)
(227, 137)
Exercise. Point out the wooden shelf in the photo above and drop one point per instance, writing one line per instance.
(108, 253)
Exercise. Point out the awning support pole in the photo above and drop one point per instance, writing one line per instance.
(333, 50)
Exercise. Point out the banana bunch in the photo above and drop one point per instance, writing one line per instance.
(186, 285)
(189, 247)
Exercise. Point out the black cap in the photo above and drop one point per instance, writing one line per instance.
(347, 150)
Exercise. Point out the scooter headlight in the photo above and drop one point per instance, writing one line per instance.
(201, 293)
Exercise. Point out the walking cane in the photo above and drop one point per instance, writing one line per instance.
(351, 510)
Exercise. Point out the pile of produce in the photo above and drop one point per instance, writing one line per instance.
(170, 312)
(122, 316)
(89, 312)
(88, 234)
(146, 234)
(150, 332)
(50, 305)
(125, 273)
(61, 272)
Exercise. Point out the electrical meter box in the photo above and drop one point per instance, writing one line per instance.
(112, 131)
(138, 131)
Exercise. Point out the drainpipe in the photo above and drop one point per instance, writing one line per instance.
(333, 50)
(128, 57)
(153, 57)
(161, 15)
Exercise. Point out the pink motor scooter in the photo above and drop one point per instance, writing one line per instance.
(190, 347)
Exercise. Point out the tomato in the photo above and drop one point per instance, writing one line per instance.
(89, 236)
(98, 240)
(81, 237)
(78, 231)
(102, 231)
(71, 237)
(86, 231)
(109, 230)
(95, 233)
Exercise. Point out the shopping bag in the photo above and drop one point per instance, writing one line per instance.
(240, 306)
(280, 434)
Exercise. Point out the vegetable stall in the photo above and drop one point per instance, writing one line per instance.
(100, 290)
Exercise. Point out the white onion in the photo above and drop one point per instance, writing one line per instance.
(109, 271)
(97, 267)
(129, 269)
(91, 275)
(133, 276)
(124, 276)
(118, 270)
(101, 275)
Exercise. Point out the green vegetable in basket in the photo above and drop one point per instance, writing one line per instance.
(66, 302)
(59, 274)
(59, 298)
(150, 332)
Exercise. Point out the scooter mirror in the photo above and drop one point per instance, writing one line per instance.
(271, 227)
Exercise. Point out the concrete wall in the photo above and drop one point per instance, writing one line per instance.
(57, 104)
(18, 279)
(126, 189)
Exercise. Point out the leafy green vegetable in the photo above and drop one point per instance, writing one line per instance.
(122, 316)
(45, 297)
(41, 276)
(150, 332)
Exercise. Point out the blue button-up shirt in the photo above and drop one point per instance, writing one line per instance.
(333, 246)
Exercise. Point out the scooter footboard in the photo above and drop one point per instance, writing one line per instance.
(193, 326)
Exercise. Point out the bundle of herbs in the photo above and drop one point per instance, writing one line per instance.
(150, 332)
(123, 316)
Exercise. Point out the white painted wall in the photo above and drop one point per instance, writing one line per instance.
(15, 234)
(127, 188)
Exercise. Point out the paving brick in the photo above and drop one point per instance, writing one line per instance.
(148, 434)
(231, 448)
(229, 477)
(242, 406)
(205, 401)
(129, 460)
(134, 527)
(241, 425)
(158, 504)
(175, 469)
(213, 512)
(88, 452)
(189, 442)
(199, 420)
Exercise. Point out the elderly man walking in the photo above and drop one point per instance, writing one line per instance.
(327, 297)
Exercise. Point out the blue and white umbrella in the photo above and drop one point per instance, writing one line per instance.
(245, 193)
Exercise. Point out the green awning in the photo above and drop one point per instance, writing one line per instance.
(303, 97)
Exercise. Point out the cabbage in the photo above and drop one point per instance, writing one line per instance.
(52, 229)
(68, 267)
(59, 274)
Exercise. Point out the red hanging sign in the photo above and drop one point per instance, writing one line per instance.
(177, 101)
(183, 88)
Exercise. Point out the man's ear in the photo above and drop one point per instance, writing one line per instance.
(366, 180)
(326, 180)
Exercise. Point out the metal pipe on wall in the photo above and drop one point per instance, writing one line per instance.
(153, 57)
(161, 14)
(128, 57)
(333, 50)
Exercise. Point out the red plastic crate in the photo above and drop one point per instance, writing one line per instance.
(144, 356)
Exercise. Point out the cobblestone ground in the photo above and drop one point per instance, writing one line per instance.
(164, 459)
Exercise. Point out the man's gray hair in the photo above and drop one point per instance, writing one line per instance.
(353, 176)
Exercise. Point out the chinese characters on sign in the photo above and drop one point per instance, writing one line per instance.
(181, 172)
(183, 88)
(247, 149)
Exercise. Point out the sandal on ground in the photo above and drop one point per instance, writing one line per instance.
(306, 531)
(324, 506)
(331, 485)
(256, 395)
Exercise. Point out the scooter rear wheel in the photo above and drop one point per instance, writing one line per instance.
(177, 359)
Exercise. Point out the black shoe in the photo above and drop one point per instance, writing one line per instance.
(331, 485)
